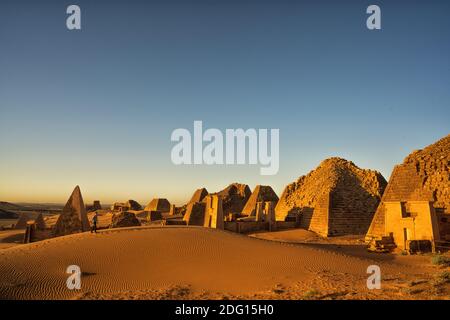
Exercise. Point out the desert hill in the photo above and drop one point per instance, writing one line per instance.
(166, 269)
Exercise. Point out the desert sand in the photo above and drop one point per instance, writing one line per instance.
(180, 262)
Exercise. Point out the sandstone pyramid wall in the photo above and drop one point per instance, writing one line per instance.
(423, 176)
(316, 219)
(336, 198)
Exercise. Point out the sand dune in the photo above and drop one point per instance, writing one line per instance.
(146, 261)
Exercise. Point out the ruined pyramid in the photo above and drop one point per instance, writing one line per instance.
(259, 194)
(234, 197)
(40, 223)
(199, 195)
(158, 204)
(73, 218)
(336, 198)
(22, 221)
(424, 175)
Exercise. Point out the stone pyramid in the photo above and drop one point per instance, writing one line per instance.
(199, 195)
(134, 205)
(424, 175)
(259, 194)
(158, 204)
(195, 214)
(234, 197)
(336, 198)
(40, 223)
(22, 221)
(73, 218)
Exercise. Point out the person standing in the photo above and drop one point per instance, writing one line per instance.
(94, 223)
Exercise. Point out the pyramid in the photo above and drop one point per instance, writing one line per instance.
(40, 223)
(134, 205)
(158, 204)
(259, 194)
(423, 176)
(73, 218)
(234, 197)
(22, 221)
(336, 198)
(195, 214)
(199, 195)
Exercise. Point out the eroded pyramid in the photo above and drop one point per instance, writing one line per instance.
(336, 198)
(234, 197)
(158, 204)
(22, 221)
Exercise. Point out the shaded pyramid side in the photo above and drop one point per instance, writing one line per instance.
(22, 221)
(40, 223)
(199, 195)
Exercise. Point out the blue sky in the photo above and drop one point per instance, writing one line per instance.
(96, 107)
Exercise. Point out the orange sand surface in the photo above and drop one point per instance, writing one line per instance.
(186, 262)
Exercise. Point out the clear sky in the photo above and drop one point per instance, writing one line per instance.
(96, 107)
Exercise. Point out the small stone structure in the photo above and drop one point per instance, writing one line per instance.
(124, 219)
(73, 218)
(119, 206)
(125, 206)
(94, 207)
(259, 194)
(172, 211)
(213, 212)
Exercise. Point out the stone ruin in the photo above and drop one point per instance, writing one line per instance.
(213, 212)
(22, 221)
(337, 198)
(234, 197)
(94, 207)
(40, 223)
(195, 214)
(259, 194)
(73, 218)
(124, 219)
(422, 179)
(158, 204)
(133, 205)
(207, 214)
(125, 206)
